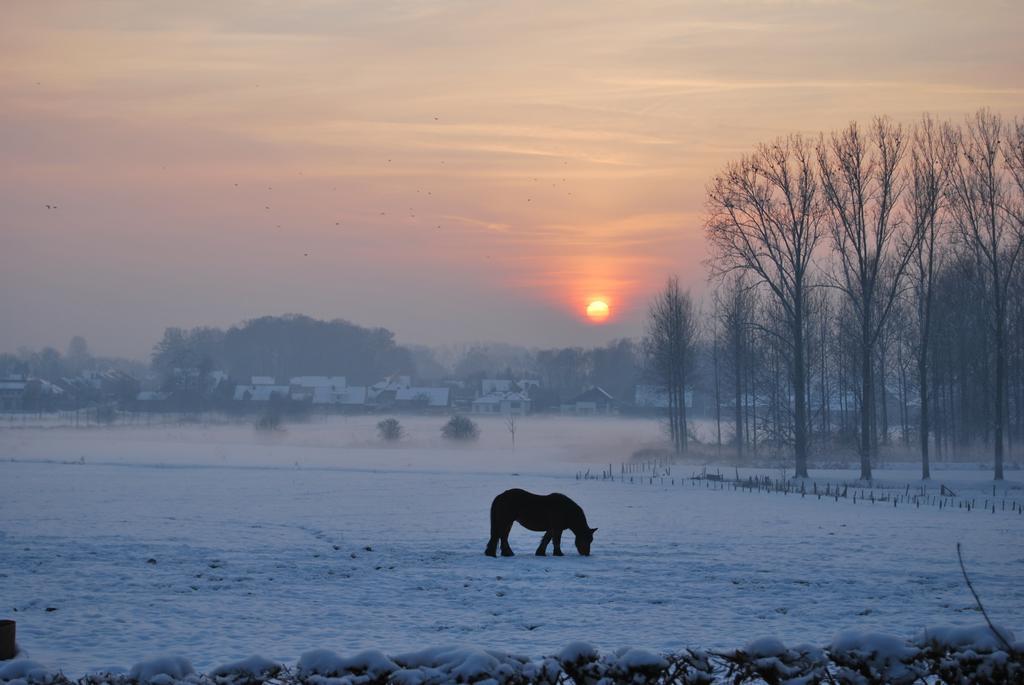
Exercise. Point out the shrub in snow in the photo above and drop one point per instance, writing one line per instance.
(460, 428)
(582, 663)
(972, 654)
(769, 660)
(271, 421)
(367, 667)
(390, 430)
(161, 671)
(252, 671)
(28, 671)
(968, 656)
(873, 657)
(468, 665)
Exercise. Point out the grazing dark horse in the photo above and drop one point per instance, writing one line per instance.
(550, 514)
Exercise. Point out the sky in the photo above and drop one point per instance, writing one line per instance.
(455, 171)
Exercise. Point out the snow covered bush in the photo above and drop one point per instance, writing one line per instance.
(324, 667)
(28, 672)
(582, 664)
(255, 670)
(958, 655)
(460, 428)
(770, 661)
(972, 655)
(161, 671)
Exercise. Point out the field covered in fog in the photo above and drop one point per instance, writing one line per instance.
(219, 541)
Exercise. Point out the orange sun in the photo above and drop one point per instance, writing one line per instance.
(597, 311)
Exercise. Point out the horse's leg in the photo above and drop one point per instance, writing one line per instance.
(506, 551)
(557, 538)
(542, 551)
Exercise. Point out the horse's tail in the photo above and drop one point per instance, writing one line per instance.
(495, 532)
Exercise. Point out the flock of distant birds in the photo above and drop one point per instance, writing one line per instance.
(412, 211)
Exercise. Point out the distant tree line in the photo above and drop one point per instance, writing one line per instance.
(283, 347)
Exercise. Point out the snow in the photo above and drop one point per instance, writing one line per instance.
(161, 670)
(253, 666)
(577, 652)
(23, 668)
(766, 646)
(633, 658)
(260, 547)
(979, 637)
(327, 663)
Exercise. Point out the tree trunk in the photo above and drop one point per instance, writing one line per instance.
(799, 390)
(922, 370)
(740, 402)
(1000, 388)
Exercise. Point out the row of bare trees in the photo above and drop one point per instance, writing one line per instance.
(866, 265)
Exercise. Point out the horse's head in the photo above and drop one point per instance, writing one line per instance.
(583, 540)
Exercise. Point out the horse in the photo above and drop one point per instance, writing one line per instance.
(550, 514)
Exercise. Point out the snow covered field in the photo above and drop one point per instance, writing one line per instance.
(218, 542)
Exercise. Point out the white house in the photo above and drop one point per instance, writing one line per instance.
(423, 398)
(505, 403)
(590, 402)
(317, 389)
(259, 392)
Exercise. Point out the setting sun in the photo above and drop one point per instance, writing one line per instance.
(597, 311)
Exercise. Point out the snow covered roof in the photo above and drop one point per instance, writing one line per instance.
(319, 381)
(389, 384)
(259, 393)
(262, 380)
(434, 397)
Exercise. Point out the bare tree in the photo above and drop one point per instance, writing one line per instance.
(764, 219)
(510, 425)
(862, 187)
(985, 185)
(923, 204)
(734, 305)
(672, 337)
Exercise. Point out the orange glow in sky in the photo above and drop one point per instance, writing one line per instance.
(408, 165)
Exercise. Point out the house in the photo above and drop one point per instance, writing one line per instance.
(422, 398)
(260, 392)
(12, 393)
(504, 403)
(382, 394)
(390, 385)
(21, 393)
(491, 385)
(589, 403)
(316, 389)
(351, 397)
